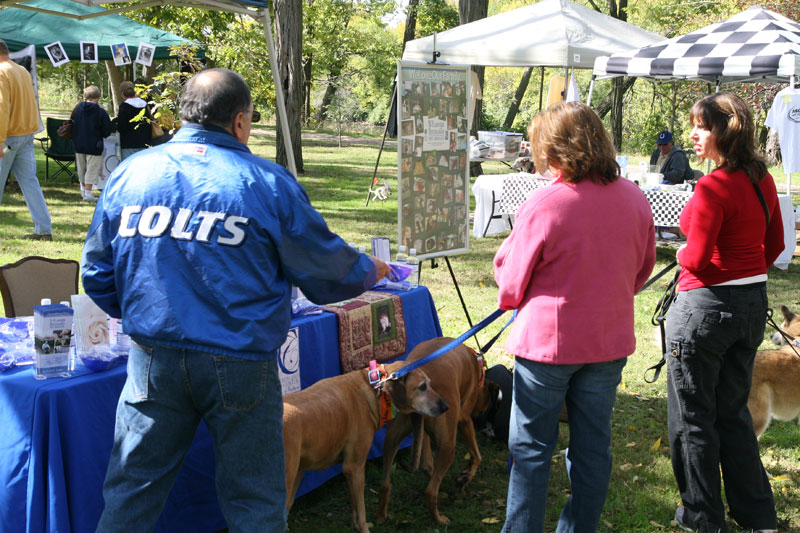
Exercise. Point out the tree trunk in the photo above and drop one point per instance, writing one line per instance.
(411, 22)
(114, 79)
(617, 93)
(470, 11)
(514, 108)
(327, 98)
(288, 22)
(605, 106)
(772, 151)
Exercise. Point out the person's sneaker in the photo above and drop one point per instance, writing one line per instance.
(679, 518)
(38, 236)
(88, 196)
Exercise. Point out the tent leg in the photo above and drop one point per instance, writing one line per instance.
(266, 21)
(591, 90)
(541, 89)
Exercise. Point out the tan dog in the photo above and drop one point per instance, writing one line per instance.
(776, 374)
(456, 377)
(335, 420)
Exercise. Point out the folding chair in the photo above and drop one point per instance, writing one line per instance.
(59, 149)
(23, 284)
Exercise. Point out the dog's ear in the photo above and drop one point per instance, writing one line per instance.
(787, 314)
(397, 391)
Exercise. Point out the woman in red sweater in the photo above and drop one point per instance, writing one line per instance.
(714, 327)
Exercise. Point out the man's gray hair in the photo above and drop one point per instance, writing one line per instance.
(3, 48)
(214, 97)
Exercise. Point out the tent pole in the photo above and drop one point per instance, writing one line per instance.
(591, 90)
(282, 119)
(541, 89)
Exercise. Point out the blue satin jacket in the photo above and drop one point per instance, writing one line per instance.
(195, 243)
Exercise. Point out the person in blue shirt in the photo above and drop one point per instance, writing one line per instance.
(195, 244)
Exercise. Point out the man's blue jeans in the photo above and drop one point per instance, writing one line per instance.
(20, 159)
(167, 393)
(540, 390)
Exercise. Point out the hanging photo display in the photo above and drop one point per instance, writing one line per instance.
(120, 54)
(88, 52)
(433, 170)
(56, 53)
(145, 54)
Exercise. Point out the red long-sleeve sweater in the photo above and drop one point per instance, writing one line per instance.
(727, 237)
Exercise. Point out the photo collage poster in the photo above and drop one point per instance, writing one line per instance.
(433, 169)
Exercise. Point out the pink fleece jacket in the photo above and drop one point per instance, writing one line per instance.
(576, 256)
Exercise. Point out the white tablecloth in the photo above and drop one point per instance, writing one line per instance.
(482, 189)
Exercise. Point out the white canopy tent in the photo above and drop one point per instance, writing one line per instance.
(550, 33)
(257, 9)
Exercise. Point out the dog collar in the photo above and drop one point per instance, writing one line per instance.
(482, 366)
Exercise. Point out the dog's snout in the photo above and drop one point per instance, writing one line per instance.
(441, 407)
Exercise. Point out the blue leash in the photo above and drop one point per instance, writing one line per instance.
(452, 344)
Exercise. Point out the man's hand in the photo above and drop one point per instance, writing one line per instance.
(382, 266)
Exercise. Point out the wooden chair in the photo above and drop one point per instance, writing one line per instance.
(59, 149)
(23, 284)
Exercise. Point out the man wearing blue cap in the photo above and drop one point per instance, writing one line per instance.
(671, 159)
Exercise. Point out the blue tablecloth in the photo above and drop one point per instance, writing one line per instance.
(56, 437)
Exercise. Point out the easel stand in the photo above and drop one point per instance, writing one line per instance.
(378, 160)
(434, 264)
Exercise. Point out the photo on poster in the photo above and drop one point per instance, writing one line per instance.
(56, 53)
(145, 54)
(407, 128)
(120, 54)
(88, 52)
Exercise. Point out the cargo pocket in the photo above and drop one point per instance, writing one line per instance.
(242, 382)
(681, 359)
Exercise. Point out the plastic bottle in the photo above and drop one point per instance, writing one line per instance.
(353, 245)
(362, 249)
(413, 262)
(401, 256)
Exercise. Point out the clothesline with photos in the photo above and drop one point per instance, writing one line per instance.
(88, 49)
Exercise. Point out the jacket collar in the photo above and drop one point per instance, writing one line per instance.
(197, 133)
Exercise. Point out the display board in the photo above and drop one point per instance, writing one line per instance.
(433, 165)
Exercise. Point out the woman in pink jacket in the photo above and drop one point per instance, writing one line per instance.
(579, 251)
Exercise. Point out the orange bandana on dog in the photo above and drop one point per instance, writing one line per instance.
(386, 409)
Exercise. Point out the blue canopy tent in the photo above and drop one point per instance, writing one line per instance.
(257, 9)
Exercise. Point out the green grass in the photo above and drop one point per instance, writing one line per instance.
(643, 494)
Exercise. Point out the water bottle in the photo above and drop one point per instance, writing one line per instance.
(401, 256)
(362, 249)
(413, 262)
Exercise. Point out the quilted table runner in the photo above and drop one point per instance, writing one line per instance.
(371, 326)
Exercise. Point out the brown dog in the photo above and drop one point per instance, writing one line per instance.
(335, 419)
(456, 376)
(776, 373)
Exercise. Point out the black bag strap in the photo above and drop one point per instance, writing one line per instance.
(762, 200)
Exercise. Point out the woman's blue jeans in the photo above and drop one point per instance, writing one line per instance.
(540, 390)
(167, 393)
(712, 337)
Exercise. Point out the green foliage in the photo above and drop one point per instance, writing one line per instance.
(435, 16)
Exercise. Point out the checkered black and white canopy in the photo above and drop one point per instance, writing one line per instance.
(755, 45)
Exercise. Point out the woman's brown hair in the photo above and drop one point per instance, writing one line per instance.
(730, 121)
(572, 136)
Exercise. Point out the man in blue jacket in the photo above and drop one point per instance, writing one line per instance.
(195, 245)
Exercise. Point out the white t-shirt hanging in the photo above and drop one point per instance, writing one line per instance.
(784, 117)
